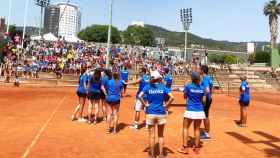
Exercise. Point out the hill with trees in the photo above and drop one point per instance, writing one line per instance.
(137, 35)
(176, 39)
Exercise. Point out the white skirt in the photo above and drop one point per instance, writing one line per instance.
(199, 115)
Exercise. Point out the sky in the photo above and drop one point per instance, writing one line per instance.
(231, 20)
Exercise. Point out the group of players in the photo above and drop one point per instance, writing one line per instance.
(104, 92)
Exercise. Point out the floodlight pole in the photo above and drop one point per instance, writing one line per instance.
(109, 33)
(186, 43)
(186, 19)
(41, 22)
(25, 18)
(9, 16)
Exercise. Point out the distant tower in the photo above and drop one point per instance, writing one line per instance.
(69, 19)
(251, 47)
(51, 20)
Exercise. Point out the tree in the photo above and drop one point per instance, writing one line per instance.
(216, 58)
(12, 30)
(224, 58)
(137, 35)
(272, 10)
(99, 33)
(230, 59)
(2, 45)
(262, 57)
(251, 58)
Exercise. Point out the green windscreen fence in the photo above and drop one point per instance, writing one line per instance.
(275, 58)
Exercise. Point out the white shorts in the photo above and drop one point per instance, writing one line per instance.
(152, 119)
(138, 105)
(200, 115)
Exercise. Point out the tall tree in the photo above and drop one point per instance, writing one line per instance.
(137, 35)
(272, 10)
(99, 33)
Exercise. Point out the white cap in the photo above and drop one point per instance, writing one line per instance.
(155, 75)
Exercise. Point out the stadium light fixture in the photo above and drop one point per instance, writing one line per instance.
(42, 4)
(25, 18)
(186, 19)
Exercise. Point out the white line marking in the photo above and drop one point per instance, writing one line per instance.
(35, 139)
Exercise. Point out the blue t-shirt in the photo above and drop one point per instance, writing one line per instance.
(26, 68)
(114, 89)
(154, 94)
(104, 81)
(168, 81)
(124, 75)
(246, 96)
(194, 94)
(94, 86)
(207, 83)
(82, 80)
(145, 80)
(34, 67)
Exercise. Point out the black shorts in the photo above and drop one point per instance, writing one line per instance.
(125, 86)
(244, 104)
(113, 103)
(94, 96)
(207, 106)
(102, 95)
(81, 95)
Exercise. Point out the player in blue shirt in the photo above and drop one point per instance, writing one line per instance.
(106, 76)
(112, 91)
(82, 95)
(207, 83)
(124, 77)
(154, 94)
(244, 100)
(194, 93)
(94, 92)
(168, 81)
(143, 81)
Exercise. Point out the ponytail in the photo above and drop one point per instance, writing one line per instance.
(108, 73)
(116, 78)
(81, 74)
(96, 76)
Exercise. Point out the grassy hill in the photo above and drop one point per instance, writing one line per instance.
(177, 39)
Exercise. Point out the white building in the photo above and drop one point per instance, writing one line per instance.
(138, 23)
(250, 47)
(69, 20)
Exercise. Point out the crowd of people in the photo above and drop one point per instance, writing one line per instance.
(105, 89)
(62, 58)
(59, 57)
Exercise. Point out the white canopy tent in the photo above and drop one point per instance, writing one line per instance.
(36, 38)
(72, 39)
(47, 37)
(50, 37)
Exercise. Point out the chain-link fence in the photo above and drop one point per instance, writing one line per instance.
(267, 95)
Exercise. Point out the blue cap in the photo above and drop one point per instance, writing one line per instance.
(195, 76)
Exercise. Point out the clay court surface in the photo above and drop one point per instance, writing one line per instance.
(35, 123)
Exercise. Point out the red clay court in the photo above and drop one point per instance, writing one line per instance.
(35, 123)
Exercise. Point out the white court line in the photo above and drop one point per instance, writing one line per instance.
(35, 139)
